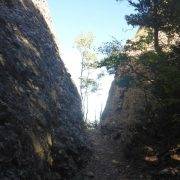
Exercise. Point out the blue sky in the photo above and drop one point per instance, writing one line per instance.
(105, 19)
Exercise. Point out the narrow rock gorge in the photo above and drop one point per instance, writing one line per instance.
(43, 135)
(41, 123)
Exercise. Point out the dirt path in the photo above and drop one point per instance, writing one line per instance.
(104, 164)
(108, 163)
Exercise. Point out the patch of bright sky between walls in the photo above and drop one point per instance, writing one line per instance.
(105, 19)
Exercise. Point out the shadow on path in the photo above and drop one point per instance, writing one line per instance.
(105, 164)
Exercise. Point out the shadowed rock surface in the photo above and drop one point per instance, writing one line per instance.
(144, 131)
(41, 126)
(139, 145)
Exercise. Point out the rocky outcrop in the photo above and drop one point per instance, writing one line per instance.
(125, 107)
(139, 122)
(41, 125)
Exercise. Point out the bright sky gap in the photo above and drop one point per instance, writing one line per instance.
(105, 19)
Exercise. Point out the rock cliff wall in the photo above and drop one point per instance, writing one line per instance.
(41, 126)
(139, 119)
(124, 107)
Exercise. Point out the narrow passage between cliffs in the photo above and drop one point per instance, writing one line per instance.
(105, 163)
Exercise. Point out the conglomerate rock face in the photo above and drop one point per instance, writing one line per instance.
(140, 127)
(127, 104)
(125, 107)
(41, 125)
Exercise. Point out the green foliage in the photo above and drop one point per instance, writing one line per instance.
(114, 56)
(165, 70)
(157, 73)
(151, 59)
(90, 85)
(163, 14)
(113, 47)
(160, 15)
(84, 44)
(84, 41)
(112, 62)
(142, 43)
(125, 81)
(168, 81)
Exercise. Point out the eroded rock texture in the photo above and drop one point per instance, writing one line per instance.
(41, 126)
(142, 129)
(125, 107)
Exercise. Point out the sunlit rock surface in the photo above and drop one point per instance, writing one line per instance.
(41, 126)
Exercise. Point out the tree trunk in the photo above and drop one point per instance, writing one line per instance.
(86, 98)
(156, 29)
(156, 40)
(81, 75)
(87, 108)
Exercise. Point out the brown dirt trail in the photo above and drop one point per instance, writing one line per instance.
(105, 164)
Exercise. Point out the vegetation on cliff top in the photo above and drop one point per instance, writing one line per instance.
(151, 62)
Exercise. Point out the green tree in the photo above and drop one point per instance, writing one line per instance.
(88, 83)
(156, 73)
(160, 15)
(113, 55)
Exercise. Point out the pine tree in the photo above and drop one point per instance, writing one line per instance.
(160, 15)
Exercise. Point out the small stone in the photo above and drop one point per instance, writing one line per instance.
(169, 171)
(90, 174)
(115, 161)
(164, 171)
